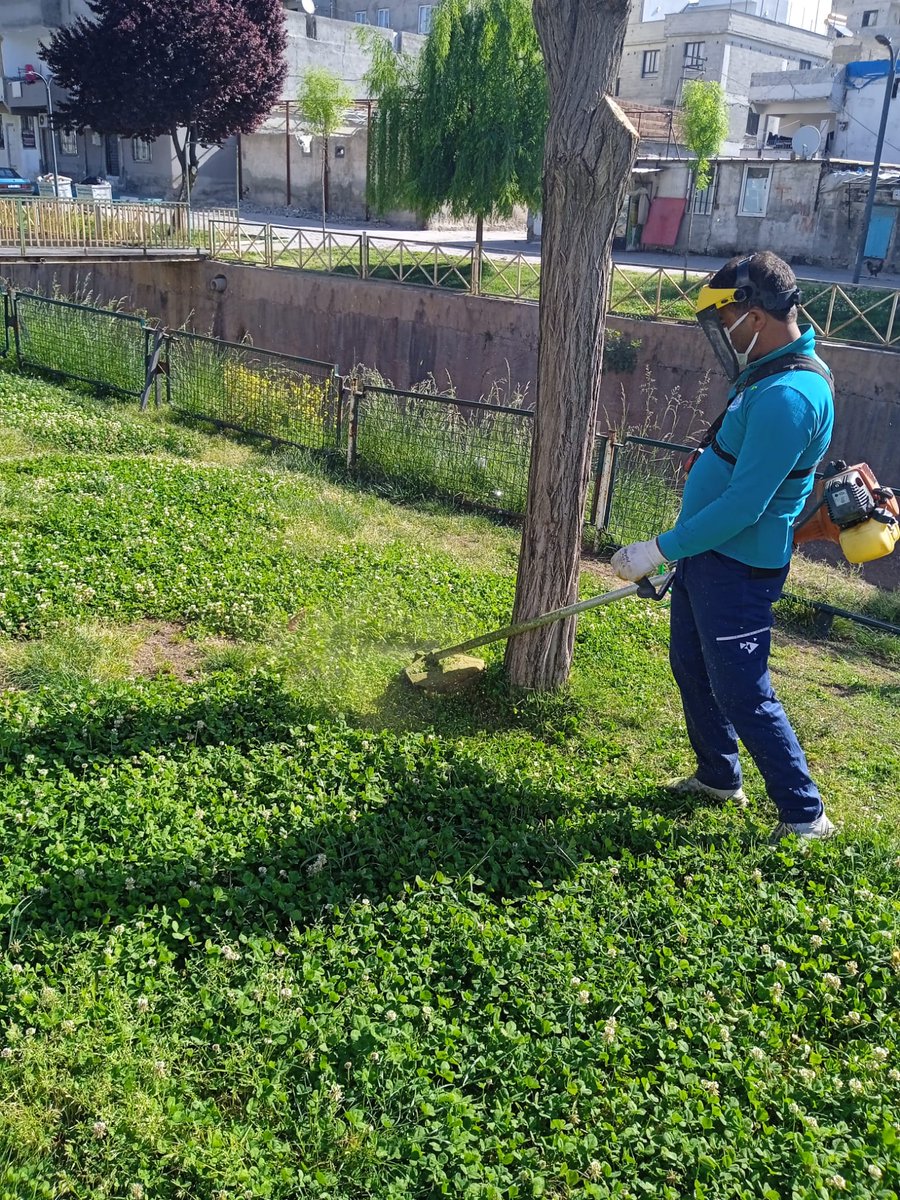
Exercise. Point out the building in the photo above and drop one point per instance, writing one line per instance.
(150, 168)
(712, 42)
(404, 16)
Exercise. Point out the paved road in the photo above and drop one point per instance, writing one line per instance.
(511, 241)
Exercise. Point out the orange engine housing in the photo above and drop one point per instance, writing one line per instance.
(820, 527)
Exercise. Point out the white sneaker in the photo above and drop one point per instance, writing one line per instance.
(693, 786)
(821, 828)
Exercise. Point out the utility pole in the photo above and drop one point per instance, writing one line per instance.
(32, 76)
(879, 146)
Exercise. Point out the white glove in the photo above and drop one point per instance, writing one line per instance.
(636, 561)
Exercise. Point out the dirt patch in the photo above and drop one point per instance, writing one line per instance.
(602, 571)
(166, 650)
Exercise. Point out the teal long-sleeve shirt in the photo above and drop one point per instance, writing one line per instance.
(747, 511)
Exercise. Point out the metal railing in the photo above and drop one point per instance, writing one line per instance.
(32, 225)
(478, 453)
(295, 401)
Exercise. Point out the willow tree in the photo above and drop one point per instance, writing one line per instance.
(589, 153)
(463, 125)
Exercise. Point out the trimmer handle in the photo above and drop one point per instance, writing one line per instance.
(647, 591)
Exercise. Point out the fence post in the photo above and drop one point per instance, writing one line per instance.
(23, 234)
(357, 391)
(269, 245)
(603, 486)
(475, 287)
(364, 255)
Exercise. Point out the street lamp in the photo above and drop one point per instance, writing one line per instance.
(879, 146)
(31, 76)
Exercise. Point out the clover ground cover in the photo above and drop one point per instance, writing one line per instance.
(280, 928)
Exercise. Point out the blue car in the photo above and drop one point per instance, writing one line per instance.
(12, 183)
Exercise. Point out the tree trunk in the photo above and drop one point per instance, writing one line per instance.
(479, 232)
(588, 157)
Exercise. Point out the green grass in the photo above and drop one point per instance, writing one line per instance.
(288, 929)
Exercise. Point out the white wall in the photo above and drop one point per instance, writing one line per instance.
(860, 120)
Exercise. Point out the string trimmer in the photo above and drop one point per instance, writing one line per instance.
(452, 669)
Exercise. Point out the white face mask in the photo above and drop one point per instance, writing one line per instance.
(742, 356)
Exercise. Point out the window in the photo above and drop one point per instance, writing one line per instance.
(695, 55)
(752, 123)
(870, 17)
(28, 136)
(805, 64)
(754, 191)
(702, 203)
(651, 63)
(362, 17)
(141, 150)
(384, 18)
(425, 11)
(68, 142)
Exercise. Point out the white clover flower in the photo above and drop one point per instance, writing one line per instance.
(831, 981)
(576, 981)
(824, 924)
(427, 1012)
(335, 1093)
(285, 993)
(390, 1016)
(584, 996)
(874, 1172)
(865, 894)
(262, 872)
(595, 1169)
(777, 991)
(853, 1017)
(811, 1122)
(894, 1075)
(856, 1087)
(765, 948)
(757, 876)
(852, 967)
(780, 964)
(160, 1068)
(757, 1054)
(6, 1052)
(880, 1053)
(612, 952)
(724, 1033)
(794, 1108)
(230, 954)
(375, 1056)
(67, 1026)
(837, 1182)
(129, 884)
(136, 1192)
(711, 1086)
(317, 864)
(816, 942)
(142, 1004)
(100, 1129)
(366, 902)
(610, 1027)
(806, 1074)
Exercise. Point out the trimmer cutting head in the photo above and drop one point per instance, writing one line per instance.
(445, 676)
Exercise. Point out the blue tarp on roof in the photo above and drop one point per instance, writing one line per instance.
(877, 69)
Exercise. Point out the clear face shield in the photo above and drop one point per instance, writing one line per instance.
(710, 322)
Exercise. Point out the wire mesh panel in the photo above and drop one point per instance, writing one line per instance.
(479, 453)
(99, 346)
(291, 400)
(4, 333)
(645, 495)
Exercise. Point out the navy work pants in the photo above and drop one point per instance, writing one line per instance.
(720, 637)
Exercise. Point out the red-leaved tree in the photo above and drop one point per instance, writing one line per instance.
(199, 70)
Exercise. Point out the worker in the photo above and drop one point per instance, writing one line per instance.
(733, 539)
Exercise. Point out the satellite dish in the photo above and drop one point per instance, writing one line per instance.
(806, 141)
(308, 6)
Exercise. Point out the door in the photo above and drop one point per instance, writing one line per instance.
(881, 230)
(112, 156)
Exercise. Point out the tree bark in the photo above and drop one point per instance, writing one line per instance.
(588, 157)
(324, 182)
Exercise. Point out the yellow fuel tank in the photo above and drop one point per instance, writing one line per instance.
(870, 540)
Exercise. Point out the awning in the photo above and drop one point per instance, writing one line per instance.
(664, 221)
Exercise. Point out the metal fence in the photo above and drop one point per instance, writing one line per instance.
(475, 452)
(75, 341)
(35, 225)
(292, 400)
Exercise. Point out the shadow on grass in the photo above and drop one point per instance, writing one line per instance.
(431, 808)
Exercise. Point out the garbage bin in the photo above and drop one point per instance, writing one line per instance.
(93, 188)
(47, 189)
